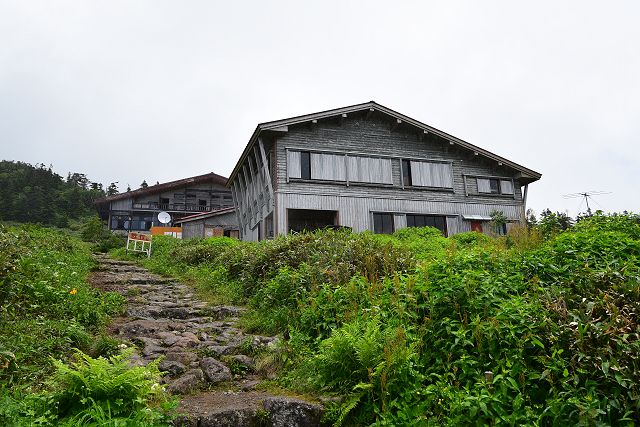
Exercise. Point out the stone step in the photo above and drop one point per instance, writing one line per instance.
(247, 409)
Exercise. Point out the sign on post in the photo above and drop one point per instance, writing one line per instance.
(141, 242)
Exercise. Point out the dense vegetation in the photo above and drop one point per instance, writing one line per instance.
(47, 309)
(36, 194)
(536, 328)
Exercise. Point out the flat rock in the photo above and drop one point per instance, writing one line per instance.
(142, 327)
(288, 412)
(214, 370)
(190, 381)
(184, 357)
(172, 367)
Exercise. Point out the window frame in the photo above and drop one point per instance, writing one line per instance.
(305, 165)
(382, 216)
(406, 173)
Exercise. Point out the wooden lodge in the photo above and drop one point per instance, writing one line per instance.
(367, 167)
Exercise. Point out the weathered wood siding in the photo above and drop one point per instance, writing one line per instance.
(121, 205)
(356, 169)
(253, 193)
(439, 171)
(355, 212)
(193, 229)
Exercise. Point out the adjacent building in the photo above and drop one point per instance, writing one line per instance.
(138, 210)
(367, 167)
(210, 224)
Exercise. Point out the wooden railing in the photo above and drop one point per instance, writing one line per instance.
(181, 207)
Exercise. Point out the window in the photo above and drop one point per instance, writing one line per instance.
(374, 170)
(202, 204)
(495, 186)
(437, 221)
(164, 203)
(406, 173)
(300, 220)
(383, 223)
(431, 174)
(333, 167)
(305, 165)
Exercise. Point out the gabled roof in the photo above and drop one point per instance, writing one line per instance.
(159, 188)
(204, 215)
(281, 125)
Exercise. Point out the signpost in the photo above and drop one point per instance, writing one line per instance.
(141, 242)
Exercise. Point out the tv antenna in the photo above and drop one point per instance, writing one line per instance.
(586, 196)
(164, 217)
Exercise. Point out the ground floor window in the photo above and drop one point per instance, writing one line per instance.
(383, 223)
(437, 221)
(309, 220)
(141, 222)
(120, 222)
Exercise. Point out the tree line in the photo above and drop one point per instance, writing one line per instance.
(34, 193)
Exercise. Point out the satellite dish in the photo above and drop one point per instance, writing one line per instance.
(164, 217)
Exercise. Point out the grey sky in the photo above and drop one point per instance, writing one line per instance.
(157, 90)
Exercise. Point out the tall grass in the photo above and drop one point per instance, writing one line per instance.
(47, 308)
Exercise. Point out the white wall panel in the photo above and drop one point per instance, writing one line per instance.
(293, 164)
(431, 174)
(370, 170)
(328, 167)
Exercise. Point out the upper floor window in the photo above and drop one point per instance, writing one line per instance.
(406, 173)
(305, 165)
(338, 167)
(374, 170)
(495, 186)
(429, 174)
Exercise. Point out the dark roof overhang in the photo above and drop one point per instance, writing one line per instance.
(159, 188)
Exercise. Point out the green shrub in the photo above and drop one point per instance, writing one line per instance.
(92, 391)
(86, 382)
(93, 230)
(470, 239)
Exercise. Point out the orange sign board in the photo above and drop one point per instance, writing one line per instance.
(164, 231)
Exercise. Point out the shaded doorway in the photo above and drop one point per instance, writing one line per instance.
(476, 226)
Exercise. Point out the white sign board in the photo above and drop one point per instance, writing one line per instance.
(139, 242)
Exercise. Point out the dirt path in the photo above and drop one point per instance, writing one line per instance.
(199, 344)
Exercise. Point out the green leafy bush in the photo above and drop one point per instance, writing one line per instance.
(111, 384)
(92, 392)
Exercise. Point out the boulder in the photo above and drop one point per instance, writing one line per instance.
(190, 381)
(289, 412)
(215, 371)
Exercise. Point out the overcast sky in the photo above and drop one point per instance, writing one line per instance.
(157, 90)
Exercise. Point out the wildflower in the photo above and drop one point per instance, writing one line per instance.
(73, 291)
